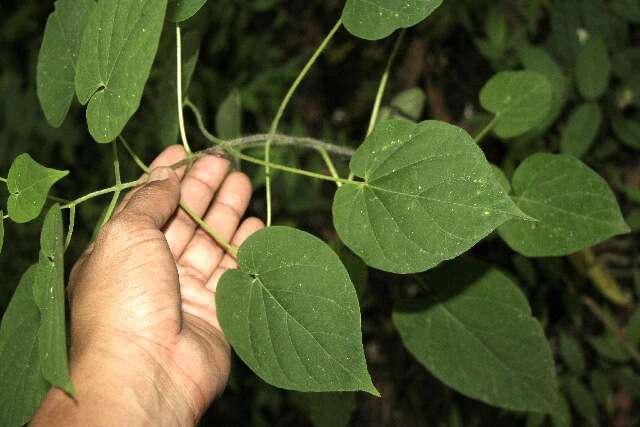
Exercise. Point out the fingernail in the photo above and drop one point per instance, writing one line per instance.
(160, 174)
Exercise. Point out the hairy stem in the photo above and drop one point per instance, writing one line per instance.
(203, 129)
(213, 233)
(283, 106)
(138, 161)
(116, 194)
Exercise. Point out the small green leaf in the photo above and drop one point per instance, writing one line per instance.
(326, 409)
(292, 315)
(23, 386)
(561, 414)
(581, 399)
(376, 19)
(229, 116)
(475, 332)
(574, 206)
(539, 60)
(58, 56)
(49, 295)
(116, 54)
(602, 392)
(581, 129)
(593, 68)
(628, 131)
(181, 10)
(409, 103)
(572, 354)
(29, 183)
(520, 101)
(428, 195)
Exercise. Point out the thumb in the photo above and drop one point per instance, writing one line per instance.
(156, 201)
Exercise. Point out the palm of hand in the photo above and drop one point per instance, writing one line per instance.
(160, 282)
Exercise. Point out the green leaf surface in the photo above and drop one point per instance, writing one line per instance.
(581, 399)
(502, 178)
(409, 103)
(520, 101)
(593, 68)
(116, 54)
(292, 315)
(23, 386)
(376, 19)
(229, 116)
(581, 129)
(475, 332)
(181, 10)
(58, 55)
(49, 295)
(428, 195)
(29, 183)
(574, 206)
(326, 409)
(628, 131)
(539, 60)
(572, 354)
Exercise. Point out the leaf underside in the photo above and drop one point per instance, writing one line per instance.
(475, 332)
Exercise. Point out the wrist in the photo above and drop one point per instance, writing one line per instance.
(128, 389)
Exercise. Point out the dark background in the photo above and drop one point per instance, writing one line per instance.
(258, 47)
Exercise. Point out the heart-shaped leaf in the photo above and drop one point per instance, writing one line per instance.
(574, 206)
(593, 68)
(29, 183)
(23, 386)
(520, 101)
(48, 293)
(116, 54)
(57, 57)
(181, 10)
(475, 332)
(581, 129)
(376, 19)
(292, 315)
(428, 195)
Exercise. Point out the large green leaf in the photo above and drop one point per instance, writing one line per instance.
(376, 19)
(48, 293)
(29, 183)
(593, 68)
(574, 206)
(326, 409)
(520, 101)
(428, 195)
(116, 54)
(581, 129)
(23, 386)
(291, 313)
(229, 116)
(475, 332)
(180, 10)
(58, 55)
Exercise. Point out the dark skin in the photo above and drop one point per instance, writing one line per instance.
(146, 344)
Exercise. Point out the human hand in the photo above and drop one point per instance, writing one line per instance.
(146, 342)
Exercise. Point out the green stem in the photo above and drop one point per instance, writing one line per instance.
(116, 194)
(330, 165)
(383, 82)
(102, 192)
(293, 170)
(72, 222)
(203, 129)
(283, 106)
(183, 132)
(138, 161)
(213, 233)
(3, 179)
(206, 227)
(486, 129)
